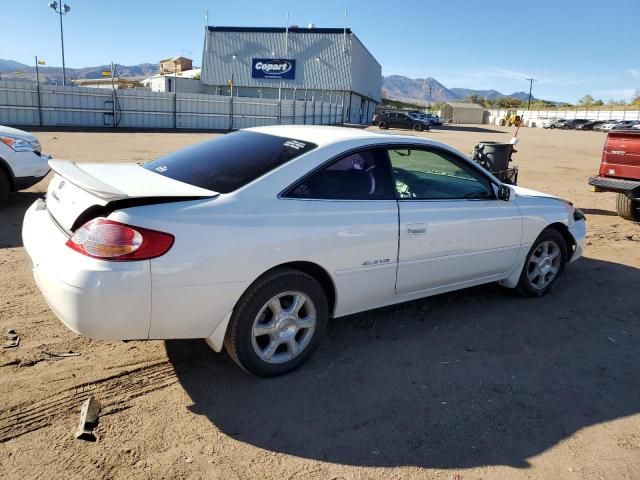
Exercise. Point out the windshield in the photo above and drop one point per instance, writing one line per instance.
(229, 162)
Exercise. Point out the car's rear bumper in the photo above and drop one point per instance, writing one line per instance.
(94, 298)
(628, 187)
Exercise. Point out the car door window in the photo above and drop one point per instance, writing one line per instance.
(363, 175)
(422, 174)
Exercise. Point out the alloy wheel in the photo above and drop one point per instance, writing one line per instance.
(284, 327)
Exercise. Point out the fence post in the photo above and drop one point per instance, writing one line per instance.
(342, 107)
(321, 109)
(294, 110)
(304, 117)
(314, 111)
(40, 103)
(231, 112)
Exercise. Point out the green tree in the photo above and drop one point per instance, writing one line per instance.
(477, 99)
(586, 101)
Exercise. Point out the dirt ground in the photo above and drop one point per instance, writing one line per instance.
(477, 384)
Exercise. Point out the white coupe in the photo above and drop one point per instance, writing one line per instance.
(254, 239)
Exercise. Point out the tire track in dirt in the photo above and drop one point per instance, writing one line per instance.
(114, 392)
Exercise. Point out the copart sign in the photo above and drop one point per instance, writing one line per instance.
(273, 68)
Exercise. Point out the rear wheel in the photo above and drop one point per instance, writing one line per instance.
(544, 264)
(278, 323)
(5, 188)
(418, 127)
(383, 125)
(628, 208)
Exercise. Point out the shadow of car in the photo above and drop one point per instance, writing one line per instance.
(471, 378)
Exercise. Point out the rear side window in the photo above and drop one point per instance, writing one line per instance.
(227, 163)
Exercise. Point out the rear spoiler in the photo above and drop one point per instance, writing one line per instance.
(70, 171)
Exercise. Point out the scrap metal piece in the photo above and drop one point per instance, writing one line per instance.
(88, 420)
(58, 355)
(13, 340)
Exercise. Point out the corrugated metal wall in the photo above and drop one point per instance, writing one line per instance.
(324, 61)
(138, 108)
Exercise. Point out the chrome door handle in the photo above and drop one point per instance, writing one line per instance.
(416, 229)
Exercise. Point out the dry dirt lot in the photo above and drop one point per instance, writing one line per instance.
(477, 384)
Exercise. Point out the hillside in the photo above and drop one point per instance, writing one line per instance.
(8, 69)
(430, 90)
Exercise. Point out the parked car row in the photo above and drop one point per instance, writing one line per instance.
(414, 120)
(585, 124)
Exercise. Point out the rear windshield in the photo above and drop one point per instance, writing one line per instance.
(229, 162)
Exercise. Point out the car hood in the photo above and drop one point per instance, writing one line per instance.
(21, 134)
(526, 192)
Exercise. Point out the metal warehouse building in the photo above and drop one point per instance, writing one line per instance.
(321, 64)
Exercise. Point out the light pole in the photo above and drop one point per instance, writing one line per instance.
(531, 80)
(62, 10)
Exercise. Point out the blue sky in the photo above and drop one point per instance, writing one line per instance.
(573, 47)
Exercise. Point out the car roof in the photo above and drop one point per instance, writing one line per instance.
(326, 135)
(320, 135)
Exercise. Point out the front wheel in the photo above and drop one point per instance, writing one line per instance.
(418, 127)
(628, 208)
(383, 125)
(544, 264)
(278, 323)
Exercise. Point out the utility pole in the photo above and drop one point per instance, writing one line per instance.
(63, 10)
(530, 80)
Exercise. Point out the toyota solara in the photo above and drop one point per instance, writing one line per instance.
(254, 239)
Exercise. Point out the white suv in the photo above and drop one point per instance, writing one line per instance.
(22, 165)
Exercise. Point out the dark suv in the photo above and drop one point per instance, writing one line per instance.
(401, 120)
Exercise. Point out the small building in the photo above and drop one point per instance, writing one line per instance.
(175, 65)
(187, 81)
(323, 64)
(459, 112)
(105, 82)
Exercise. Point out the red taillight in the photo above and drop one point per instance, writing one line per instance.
(115, 241)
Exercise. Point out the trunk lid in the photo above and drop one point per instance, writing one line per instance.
(77, 187)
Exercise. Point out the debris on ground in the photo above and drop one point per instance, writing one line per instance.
(13, 340)
(59, 355)
(88, 420)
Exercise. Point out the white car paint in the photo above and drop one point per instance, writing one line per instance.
(223, 242)
(24, 168)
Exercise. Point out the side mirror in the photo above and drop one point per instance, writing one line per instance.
(504, 193)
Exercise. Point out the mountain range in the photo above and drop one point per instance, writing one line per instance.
(395, 87)
(12, 70)
(429, 89)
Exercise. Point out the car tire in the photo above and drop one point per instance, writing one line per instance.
(267, 336)
(418, 127)
(544, 264)
(383, 125)
(5, 188)
(628, 208)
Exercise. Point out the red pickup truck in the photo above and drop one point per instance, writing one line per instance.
(620, 171)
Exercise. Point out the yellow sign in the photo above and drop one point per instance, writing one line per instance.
(230, 83)
(41, 62)
(106, 73)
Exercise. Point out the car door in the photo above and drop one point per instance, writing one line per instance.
(453, 229)
(351, 205)
(405, 121)
(392, 119)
